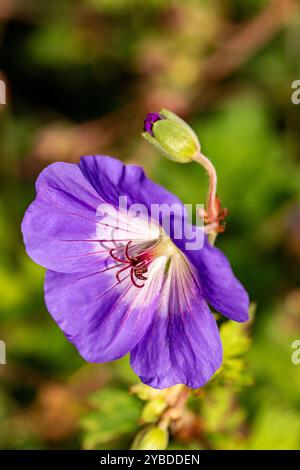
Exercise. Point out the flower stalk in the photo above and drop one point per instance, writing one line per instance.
(214, 214)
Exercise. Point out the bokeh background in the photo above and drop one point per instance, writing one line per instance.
(80, 76)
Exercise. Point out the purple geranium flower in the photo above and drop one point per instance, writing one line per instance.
(115, 285)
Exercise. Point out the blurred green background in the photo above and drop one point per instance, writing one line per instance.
(80, 76)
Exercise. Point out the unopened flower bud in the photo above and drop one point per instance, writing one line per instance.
(151, 438)
(171, 135)
(153, 409)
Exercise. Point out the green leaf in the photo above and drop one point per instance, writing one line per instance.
(116, 415)
(236, 343)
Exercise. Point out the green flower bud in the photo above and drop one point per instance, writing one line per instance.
(153, 409)
(151, 438)
(171, 136)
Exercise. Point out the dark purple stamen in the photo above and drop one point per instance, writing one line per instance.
(150, 119)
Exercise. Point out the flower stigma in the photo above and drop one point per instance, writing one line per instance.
(137, 259)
